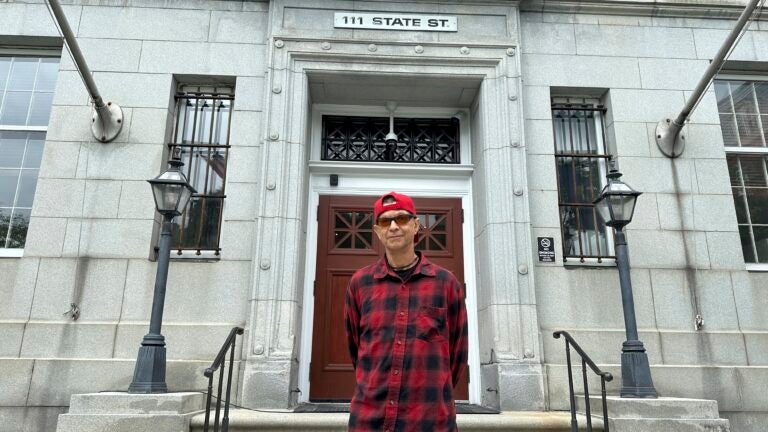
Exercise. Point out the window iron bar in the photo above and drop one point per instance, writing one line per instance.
(196, 135)
(577, 150)
(584, 258)
(193, 95)
(599, 108)
(216, 146)
(583, 155)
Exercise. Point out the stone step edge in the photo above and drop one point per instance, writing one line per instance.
(538, 420)
(176, 403)
(663, 407)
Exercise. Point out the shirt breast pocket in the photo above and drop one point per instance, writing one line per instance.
(430, 324)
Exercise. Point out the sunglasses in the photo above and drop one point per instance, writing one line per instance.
(401, 220)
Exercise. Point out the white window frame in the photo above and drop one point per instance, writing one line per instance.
(761, 267)
(31, 52)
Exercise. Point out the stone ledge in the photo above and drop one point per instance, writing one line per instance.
(122, 423)
(724, 9)
(332, 422)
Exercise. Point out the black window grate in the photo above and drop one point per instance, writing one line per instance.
(201, 137)
(581, 163)
(419, 140)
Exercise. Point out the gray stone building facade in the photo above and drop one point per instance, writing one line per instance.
(515, 80)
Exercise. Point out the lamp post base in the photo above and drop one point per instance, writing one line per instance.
(149, 375)
(636, 381)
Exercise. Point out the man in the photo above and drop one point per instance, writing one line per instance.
(406, 326)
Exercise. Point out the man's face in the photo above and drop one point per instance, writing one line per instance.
(394, 236)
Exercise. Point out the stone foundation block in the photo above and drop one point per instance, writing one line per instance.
(126, 412)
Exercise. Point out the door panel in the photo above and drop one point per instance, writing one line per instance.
(346, 242)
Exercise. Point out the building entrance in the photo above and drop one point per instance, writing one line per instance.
(345, 243)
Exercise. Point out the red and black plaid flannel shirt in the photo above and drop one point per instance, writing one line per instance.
(408, 342)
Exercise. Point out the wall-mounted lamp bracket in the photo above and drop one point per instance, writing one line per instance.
(107, 119)
(106, 122)
(670, 138)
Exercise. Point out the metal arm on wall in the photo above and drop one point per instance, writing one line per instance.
(107, 119)
(669, 133)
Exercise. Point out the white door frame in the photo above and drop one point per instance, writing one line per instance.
(445, 181)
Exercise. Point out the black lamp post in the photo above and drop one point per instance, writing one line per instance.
(172, 193)
(616, 205)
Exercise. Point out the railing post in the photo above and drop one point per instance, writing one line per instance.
(218, 401)
(208, 403)
(225, 421)
(606, 427)
(218, 363)
(585, 361)
(574, 422)
(586, 394)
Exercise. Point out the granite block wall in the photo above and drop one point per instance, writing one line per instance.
(90, 238)
(684, 246)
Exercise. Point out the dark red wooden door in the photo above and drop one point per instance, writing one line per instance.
(345, 243)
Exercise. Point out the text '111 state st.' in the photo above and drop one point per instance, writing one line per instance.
(377, 21)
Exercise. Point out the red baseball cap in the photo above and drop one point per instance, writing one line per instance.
(400, 202)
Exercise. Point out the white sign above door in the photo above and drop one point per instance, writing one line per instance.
(385, 21)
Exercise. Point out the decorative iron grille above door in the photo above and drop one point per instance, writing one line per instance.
(419, 140)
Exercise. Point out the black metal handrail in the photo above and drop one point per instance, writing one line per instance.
(229, 345)
(604, 377)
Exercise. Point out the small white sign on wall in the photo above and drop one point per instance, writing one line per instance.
(385, 21)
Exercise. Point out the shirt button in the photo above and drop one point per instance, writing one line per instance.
(399, 342)
(391, 402)
(402, 313)
(397, 371)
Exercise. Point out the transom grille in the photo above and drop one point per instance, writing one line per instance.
(434, 141)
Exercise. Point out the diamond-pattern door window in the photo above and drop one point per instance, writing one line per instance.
(352, 230)
(434, 232)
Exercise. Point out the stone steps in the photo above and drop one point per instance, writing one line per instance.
(657, 415)
(125, 412)
(182, 412)
(286, 421)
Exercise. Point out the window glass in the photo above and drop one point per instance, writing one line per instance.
(16, 108)
(23, 74)
(749, 184)
(9, 178)
(743, 109)
(46, 75)
(5, 68)
(40, 109)
(26, 189)
(26, 94)
(18, 228)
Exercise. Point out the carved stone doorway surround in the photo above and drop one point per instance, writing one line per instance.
(510, 348)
